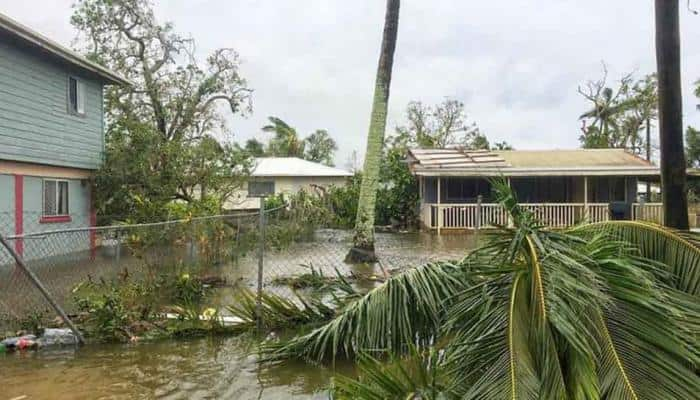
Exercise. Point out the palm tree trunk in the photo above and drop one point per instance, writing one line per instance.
(363, 241)
(673, 179)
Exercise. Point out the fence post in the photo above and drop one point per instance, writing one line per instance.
(477, 224)
(479, 199)
(192, 244)
(236, 241)
(261, 253)
(35, 280)
(118, 249)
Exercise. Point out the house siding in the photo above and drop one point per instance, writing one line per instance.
(7, 204)
(35, 125)
(32, 212)
(285, 185)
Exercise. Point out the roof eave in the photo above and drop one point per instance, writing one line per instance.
(29, 35)
(298, 176)
(511, 171)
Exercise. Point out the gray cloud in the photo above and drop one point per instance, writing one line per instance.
(515, 63)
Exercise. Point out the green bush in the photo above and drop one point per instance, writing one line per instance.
(397, 196)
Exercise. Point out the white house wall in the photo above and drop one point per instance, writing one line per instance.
(285, 185)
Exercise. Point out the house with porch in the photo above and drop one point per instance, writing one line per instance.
(562, 187)
(51, 135)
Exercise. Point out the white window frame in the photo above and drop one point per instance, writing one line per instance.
(79, 96)
(57, 194)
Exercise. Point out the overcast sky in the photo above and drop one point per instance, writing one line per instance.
(516, 64)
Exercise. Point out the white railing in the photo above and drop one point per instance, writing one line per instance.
(652, 212)
(597, 212)
(471, 216)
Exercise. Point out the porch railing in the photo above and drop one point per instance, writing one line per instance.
(555, 215)
(469, 216)
(652, 212)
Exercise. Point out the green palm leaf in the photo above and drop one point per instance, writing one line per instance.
(408, 308)
(418, 375)
(678, 250)
(596, 312)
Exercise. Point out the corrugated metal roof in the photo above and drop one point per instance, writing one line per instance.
(456, 158)
(455, 162)
(293, 166)
(37, 40)
(572, 158)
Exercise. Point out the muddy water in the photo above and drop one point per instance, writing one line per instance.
(186, 369)
(209, 368)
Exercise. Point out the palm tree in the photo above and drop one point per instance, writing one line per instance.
(363, 241)
(600, 311)
(286, 142)
(605, 114)
(673, 179)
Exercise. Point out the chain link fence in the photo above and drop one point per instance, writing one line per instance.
(226, 247)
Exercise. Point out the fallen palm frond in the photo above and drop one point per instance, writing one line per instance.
(601, 312)
(418, 375)
(678, 250)
(407, 308)
(317, 280)
(314, 279)
(277, 312)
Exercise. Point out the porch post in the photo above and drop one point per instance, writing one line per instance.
(510, 218)
(439, 200)
(586, 214)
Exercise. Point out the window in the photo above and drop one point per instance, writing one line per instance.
(55, 197)
(76, 96)
(464, 190)
(261, 188)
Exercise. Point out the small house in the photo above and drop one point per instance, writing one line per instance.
(286, 175)
(562, 187)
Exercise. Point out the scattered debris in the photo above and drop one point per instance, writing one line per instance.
(50, 337)
(19, 343)
(57, 337)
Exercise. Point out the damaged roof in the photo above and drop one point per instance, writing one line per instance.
(462, 162)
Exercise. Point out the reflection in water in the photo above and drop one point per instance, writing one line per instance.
(211, 368)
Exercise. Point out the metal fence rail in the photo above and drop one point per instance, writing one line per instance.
(227, 246)
(62, 258)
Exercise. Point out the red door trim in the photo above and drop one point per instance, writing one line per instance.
(19, 213)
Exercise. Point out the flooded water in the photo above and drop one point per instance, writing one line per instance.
(210, 368)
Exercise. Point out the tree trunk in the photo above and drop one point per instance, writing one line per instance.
(673, 179)
(363, 241)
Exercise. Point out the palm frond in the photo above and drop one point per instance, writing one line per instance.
(406, 309)
(647, 337)
(680, 251)
(277, 312)
(601, 311)
(418, 375)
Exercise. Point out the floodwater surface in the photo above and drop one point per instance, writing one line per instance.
(206, 368)
(211, 368)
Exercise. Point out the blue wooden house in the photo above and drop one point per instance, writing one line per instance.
(51, 132)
